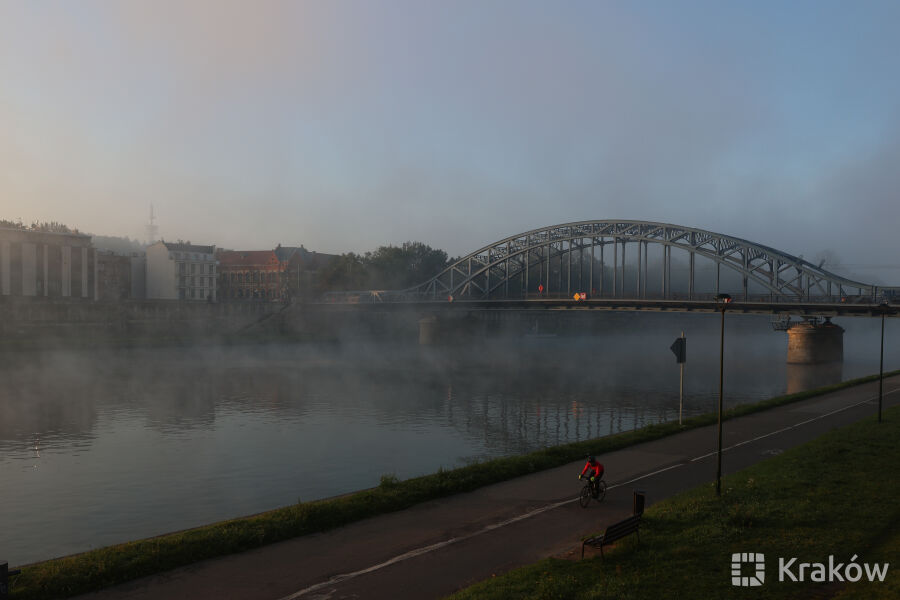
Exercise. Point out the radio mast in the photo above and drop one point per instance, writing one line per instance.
(152, 229)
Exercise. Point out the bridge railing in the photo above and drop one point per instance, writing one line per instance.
(390, 296)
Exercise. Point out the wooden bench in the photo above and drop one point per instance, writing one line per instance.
(5, 573)
(614, 532)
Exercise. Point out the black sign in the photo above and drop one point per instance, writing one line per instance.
(679, 348)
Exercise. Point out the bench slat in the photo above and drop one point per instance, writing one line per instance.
(614, 532)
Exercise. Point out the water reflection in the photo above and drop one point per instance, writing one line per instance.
(101, 448)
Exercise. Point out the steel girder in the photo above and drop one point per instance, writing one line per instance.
(487, 272)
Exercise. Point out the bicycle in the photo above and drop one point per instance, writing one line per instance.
(587, 492)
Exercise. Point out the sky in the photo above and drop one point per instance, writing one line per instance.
(344, 125)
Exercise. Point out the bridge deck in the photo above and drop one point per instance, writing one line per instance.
(618, 304)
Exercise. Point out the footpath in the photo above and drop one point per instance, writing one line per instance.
(438, 547)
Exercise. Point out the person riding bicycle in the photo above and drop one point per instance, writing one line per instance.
(595, 471)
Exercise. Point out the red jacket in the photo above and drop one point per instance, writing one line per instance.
(596, 467)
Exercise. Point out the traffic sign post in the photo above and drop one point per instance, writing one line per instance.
(679, 348)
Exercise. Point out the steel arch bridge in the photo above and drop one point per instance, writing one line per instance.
(562, 260)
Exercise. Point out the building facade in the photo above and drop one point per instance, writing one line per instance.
(181, 271)
(301, 267)
(113, 277)
(281, 275)
(251, 275)
(51, 264)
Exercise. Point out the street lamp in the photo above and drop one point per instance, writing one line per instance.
(883, 307)
(722, 300)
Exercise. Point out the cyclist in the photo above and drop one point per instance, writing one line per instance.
(595, 470)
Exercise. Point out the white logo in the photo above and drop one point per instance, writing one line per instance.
(738, 559)
(819, 572)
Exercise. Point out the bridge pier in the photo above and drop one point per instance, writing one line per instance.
(428, 330)
(812, 343)
(806, 377)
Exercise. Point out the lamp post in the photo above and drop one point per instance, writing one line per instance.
(722, 301)
(884, 308)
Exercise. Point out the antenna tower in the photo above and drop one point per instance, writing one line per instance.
(152, 229)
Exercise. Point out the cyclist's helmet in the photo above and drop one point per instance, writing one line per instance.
(591, 458)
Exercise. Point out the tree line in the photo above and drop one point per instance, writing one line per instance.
(387, 268)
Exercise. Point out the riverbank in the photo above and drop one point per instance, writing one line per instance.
(836, 496)
(115, 564)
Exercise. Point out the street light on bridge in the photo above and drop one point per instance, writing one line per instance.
(722, 300)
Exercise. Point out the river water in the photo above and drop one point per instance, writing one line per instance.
(102, 447)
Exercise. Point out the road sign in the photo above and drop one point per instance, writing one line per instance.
(679, 348)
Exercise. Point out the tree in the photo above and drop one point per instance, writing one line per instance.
(386, 268)
(399, 267)
(345, 273)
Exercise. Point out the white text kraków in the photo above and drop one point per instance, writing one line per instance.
(851, 571)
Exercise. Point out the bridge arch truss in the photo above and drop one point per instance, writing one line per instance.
(551, 261)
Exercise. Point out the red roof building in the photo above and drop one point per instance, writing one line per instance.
(248, 275)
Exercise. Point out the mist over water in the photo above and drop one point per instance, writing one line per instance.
(103, 447)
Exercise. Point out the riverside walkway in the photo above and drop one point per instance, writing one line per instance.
(438, 547)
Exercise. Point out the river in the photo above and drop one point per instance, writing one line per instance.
(103, 447)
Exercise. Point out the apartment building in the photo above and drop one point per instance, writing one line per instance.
(181, 271)
(48, 261)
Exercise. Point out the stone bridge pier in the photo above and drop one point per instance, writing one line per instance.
(814, 343)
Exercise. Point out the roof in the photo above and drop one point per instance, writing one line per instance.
(33, 232)
(316, 260)
(311, 260)
(246, 258)
(285, 252)
(182, 247)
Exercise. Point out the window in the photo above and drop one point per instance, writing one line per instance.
(193, 267)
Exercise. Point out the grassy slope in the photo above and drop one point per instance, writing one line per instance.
(837, 495)
(103, 567)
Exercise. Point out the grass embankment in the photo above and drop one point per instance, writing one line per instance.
(103, 567)
(838, 495)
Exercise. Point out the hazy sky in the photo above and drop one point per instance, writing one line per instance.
(344, 125)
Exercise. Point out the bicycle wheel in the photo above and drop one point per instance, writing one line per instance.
(585, 496)
(601, 490)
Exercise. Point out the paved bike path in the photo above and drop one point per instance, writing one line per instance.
(435, 548)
